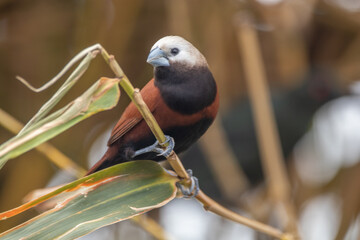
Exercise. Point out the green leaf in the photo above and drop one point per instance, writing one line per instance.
(109, 196)
(103, 95)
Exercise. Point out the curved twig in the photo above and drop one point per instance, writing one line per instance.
(77, 58)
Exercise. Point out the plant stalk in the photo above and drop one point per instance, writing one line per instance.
(266, 129)
(175, 162)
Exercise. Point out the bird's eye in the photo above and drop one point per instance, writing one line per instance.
(174, 51)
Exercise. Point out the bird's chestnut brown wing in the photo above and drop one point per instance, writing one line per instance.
(131, 116)
(121, 128)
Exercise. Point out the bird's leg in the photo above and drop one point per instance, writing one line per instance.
(157, 148)
(194, 188)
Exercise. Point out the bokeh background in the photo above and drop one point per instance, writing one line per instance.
(311, 54)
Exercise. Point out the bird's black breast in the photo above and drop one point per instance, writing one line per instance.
(186, 90)
(184, 137)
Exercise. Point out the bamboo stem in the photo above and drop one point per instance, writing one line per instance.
(174, 160)
(271, 154)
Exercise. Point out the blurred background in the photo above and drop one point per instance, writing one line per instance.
(310, 50)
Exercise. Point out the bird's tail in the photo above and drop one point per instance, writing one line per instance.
(101, 164)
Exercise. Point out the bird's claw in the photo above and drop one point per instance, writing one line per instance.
(169, 148)
(159, 150)
(193, 190)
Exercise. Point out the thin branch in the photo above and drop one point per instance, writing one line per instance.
(212, 206)
(175, 162)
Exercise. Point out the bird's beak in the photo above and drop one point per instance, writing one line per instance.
(157, 58)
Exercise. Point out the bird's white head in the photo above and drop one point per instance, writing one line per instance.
(174, 49)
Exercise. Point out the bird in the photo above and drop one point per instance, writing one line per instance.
(182, 96)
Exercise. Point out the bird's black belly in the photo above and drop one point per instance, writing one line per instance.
(184, 137)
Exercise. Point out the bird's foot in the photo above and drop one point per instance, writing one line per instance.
(169, 148)
(158, 148)
(193, 190)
